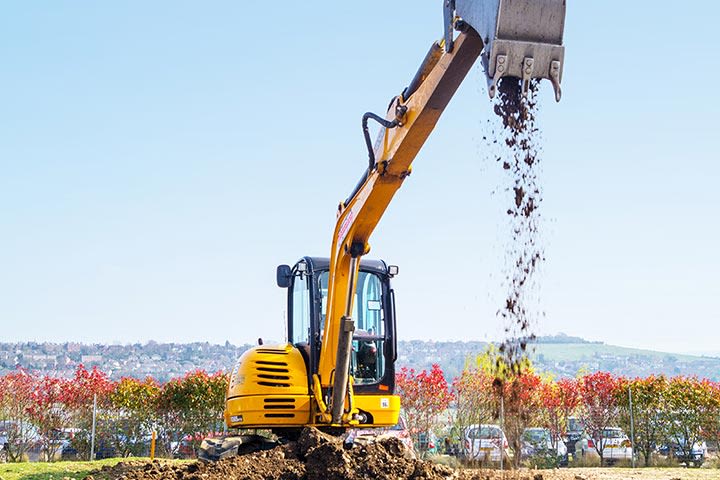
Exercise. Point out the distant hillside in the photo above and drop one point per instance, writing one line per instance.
(562, 338)
(564, 356)
(561, 355)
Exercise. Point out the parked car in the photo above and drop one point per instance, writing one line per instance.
(693, 457)
(538, 444)
(65, 436)
(485, 443)
(365, 435)
(428, 443)
(22, 438)
(3, 446)
(615, 445)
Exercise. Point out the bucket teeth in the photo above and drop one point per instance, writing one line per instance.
(500, 68)
(527, 70)
(555, 79)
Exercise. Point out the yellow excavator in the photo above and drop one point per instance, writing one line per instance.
(337, 369)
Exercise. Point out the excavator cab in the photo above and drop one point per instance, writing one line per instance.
(373, 344)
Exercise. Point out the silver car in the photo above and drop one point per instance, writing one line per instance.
(485, 443)
(614, 444)
(538, 442)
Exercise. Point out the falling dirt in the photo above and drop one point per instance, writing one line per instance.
(519, 160)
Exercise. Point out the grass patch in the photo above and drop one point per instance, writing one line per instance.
(55, 470)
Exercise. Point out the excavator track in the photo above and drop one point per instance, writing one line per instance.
(214, 449)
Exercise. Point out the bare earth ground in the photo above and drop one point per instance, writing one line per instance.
(599, 474)
(272, 465)
(316, 456)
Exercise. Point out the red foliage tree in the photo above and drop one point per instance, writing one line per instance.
(599, 400)
(424, 396)
(558, 402)
(88, 386)
(16, 397)
(522, 400)
(49, 413)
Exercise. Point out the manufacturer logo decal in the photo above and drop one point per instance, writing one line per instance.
(346, 225)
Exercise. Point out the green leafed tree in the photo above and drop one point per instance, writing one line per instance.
(132, 415)
(690, 405)
(192, 406)
(648, 404)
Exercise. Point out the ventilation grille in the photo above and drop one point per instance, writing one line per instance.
(275, 404)
(272, 374)
(279, 404)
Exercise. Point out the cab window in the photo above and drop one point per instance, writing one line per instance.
(300, 313)
(368, 358)
(367, 364)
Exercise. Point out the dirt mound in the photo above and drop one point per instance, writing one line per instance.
(315, 456)
(270, 464)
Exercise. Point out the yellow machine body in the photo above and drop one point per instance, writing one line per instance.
(270, 388)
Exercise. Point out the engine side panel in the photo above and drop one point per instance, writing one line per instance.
(268, 387)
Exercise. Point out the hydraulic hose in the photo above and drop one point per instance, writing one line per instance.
(366, 133)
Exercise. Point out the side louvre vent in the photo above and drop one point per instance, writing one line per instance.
(278, 407)
(269, 364)
(271, 351)
(272, 374)
(279, 404)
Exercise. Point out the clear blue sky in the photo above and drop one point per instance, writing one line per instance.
(159, 159)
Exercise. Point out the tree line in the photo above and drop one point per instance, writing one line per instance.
(678, 410)
(48, 413)
(38, 411)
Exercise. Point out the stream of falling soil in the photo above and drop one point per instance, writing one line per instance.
(524, 250)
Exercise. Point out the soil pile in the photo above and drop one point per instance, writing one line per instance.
(525, 252)
(315, 456)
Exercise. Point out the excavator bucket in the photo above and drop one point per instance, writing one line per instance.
(523, 38)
